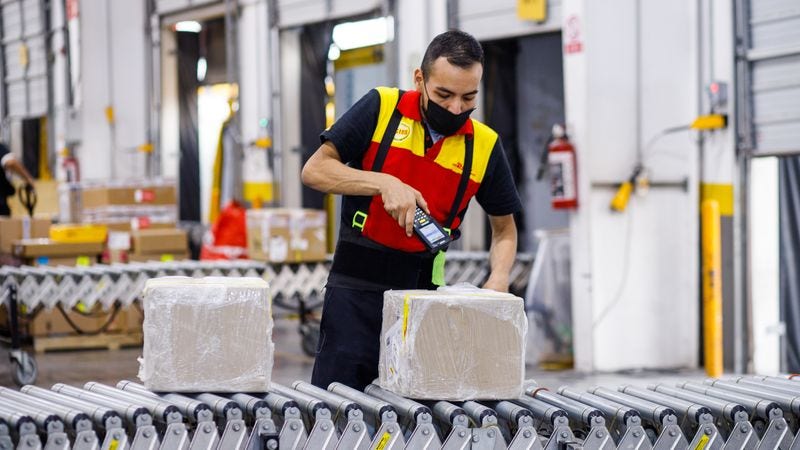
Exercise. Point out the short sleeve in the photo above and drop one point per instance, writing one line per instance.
(352, 133)
(497, 193)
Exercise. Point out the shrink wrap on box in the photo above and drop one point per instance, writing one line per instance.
(457, 343)
(209, 334)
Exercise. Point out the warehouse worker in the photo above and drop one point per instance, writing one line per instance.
(435, 157)
(9, 163)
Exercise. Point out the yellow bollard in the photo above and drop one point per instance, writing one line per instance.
(712, 287)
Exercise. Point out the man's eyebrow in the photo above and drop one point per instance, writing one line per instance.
(449, 92)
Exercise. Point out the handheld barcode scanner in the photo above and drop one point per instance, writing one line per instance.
(430, 232)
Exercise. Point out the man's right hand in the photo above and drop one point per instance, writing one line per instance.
(400, 201)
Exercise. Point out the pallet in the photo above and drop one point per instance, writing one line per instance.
(108, 341)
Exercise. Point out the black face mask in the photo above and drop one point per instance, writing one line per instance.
(442, 120)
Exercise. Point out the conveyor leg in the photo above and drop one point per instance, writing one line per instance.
(293, 434)
(354, 434)
(526, 437)
(29, 442)
(707, 438)
(460, 438)
(86, 440)
(234, 436)
(323, 435)
(206, 436)
(489, 438)
(175, 437)
(742, 437)
(145, 438)
(671, 438)
(424, 436)
(57, 441)
(562, 435)
(5, 443)
(264, 436)
(777, 436)
(389, 436)
(635, 438)
(600, 439)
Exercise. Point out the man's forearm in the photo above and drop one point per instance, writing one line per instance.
(341, 179)
(502, 252)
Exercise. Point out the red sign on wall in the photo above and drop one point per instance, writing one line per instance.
(572, 32)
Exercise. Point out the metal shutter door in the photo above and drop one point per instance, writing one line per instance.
(769, 76)
(25, 57)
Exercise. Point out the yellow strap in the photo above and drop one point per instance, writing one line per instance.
(384, 440)
(437, 277)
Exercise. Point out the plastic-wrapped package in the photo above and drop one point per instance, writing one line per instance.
(209, 334)
(456, 343)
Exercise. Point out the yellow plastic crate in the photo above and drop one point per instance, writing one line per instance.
(79, 233)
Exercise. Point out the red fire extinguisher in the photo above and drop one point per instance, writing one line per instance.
(563, 170)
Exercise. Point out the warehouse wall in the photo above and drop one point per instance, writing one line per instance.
(634, 272)
(113, 74)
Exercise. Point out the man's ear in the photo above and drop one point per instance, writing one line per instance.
(418, 78)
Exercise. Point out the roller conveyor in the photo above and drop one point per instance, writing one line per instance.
(105, 417)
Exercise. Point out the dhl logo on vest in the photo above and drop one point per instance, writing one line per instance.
(402, 133)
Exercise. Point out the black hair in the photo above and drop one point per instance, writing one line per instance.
(461, 49)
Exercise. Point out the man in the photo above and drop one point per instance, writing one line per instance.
(9, 163)
(391, 152)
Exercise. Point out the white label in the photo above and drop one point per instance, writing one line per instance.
(278, 249)
(562, 176)
(119, 240)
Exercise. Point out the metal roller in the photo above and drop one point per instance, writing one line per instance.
(103, 417)
(788, 391)
(511, 412)
(778, 381)
(224, 408)
(189, 407)
(761, 408)
(404, 406)
(22, 424)
(610, 408)
(161, 409)
(720, 408)
(788, 402)
(480, 414)
(77, 420)
(649, 410)
(281, 404)
(134, 413)
(310, 404)
(341, 404)
(542, 411)
(255, 407)
(46, 421)
(694, 411)
(372, 404)
(448, 412)
(579, 412)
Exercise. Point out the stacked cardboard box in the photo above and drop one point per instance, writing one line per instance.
(210, 334)
(286, 235)
(158, 245)
(453, 344)
(47, 252)
(14, 229)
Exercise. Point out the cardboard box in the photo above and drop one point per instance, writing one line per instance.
(31, 248)
(453, 344)
(14, 229)
(53, 323)
(132, 194)
(47, 201)
(163, 257)
(137, 224)
(210, 334)
(286, 235)
(159, 241)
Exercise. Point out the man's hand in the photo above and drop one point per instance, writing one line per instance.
(497, 283)
(400, 201)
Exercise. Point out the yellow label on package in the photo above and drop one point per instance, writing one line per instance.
(83, 261)
(167, 257)
(406, 300)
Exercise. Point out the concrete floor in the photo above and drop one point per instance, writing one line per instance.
(109, 367)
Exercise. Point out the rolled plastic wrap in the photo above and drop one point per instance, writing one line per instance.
(209, 334)
(456, 343)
